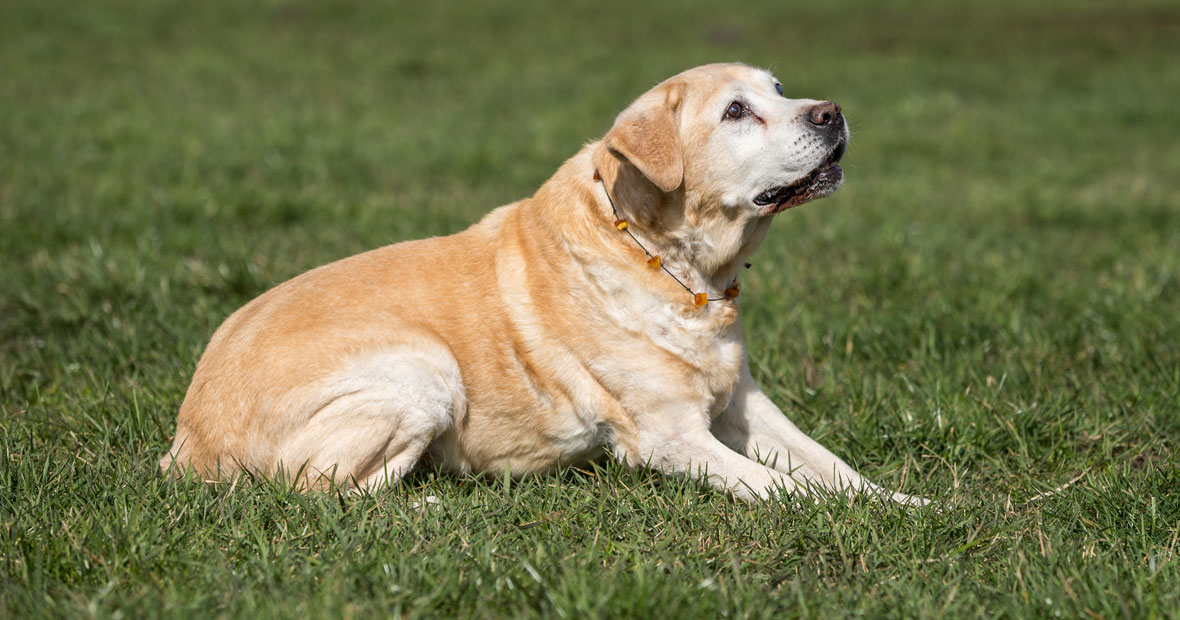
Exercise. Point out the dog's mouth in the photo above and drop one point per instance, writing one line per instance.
(824, 180)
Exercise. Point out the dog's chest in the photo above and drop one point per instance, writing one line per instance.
(663, 341)
(708, 346)
(673, 353)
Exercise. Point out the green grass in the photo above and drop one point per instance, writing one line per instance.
(988, 310)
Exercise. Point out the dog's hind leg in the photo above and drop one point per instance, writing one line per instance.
(373, 420)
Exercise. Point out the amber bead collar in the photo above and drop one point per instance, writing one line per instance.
(653, 260)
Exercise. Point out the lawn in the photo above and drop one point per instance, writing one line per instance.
(988, 314)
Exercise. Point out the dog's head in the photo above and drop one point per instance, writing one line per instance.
(727, 136)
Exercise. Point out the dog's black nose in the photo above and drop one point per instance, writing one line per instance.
(824, 114)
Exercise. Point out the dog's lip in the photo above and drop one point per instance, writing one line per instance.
(822, 181)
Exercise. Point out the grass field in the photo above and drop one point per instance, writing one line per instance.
(988, 310)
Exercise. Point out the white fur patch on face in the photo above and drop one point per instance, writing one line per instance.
(774, 145)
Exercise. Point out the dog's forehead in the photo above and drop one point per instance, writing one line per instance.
(711, 80)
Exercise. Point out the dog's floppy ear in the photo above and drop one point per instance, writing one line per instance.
(646, 134)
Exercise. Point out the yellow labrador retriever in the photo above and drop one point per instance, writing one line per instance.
(601, 311)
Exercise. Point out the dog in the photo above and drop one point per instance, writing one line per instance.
(602, 311)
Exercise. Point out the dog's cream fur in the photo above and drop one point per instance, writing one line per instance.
(539, 334)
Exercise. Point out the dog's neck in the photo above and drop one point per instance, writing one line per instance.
(702, 241)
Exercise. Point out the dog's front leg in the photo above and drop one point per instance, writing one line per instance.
(687, 448)
(754, 426)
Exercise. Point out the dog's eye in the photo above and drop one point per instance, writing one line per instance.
(735, 110)
(779, 88)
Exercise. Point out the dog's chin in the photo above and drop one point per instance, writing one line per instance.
(822, 181)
